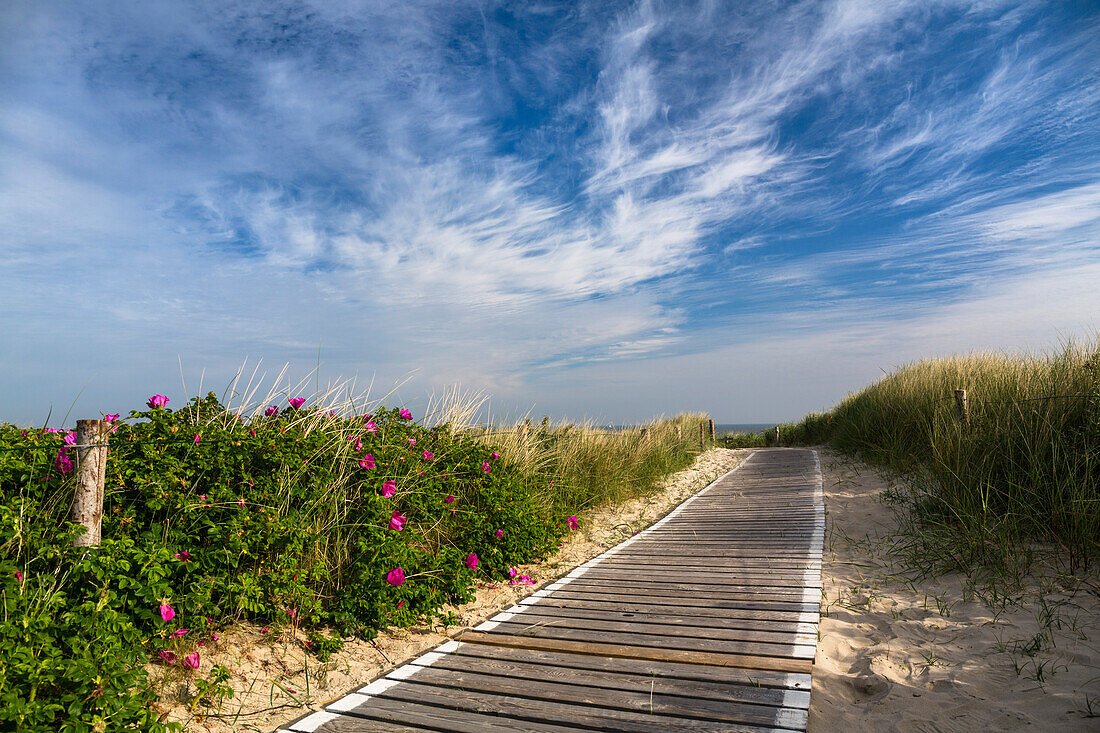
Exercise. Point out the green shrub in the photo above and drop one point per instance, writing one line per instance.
(298, 516)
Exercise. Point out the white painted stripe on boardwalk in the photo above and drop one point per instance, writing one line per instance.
(408, 670)
(791, 718)
(487, 626)
(379, 686)
(352, 701)
(427, 660)
(449, 647)
(313, 722)
(796, 699)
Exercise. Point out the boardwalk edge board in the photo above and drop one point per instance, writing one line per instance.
(786, 526)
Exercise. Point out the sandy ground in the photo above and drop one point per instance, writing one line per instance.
(942, 654)
(275, 681)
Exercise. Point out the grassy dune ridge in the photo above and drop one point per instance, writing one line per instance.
(1026, 468)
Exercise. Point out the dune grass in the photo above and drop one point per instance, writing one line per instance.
(584, 466)
(1025, 469)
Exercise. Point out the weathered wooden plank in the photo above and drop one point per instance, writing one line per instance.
(741, 661)
(644, 667)
(651, 627)
(794, 581)
(656, 568)
(627, 556)
(685, 620)
(547, 630)
(574, 590)
(743, 691)
(558, 711)
(395, 714)
(676, 590)
(643, 699)
(724, 613)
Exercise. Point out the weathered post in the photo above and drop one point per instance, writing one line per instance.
(711, 430)
(962, 408)
(679, 434)
(702, 436)
(91, 469)
(777, 435)
(523, 432)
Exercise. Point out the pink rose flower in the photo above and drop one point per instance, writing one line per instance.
(513, 572)
(499, 533)
(166, 612)
(573, 523)
(19, 576)
(522, 580)
(62, 463)
(110, 418)
(367, 461)
(428, 455)
(192, 660)
(358, 445)
(252, 432)
(412, 441)
(370, 427)
(271, 410)
(178, 633)
(471, 561)
(296, 402)
(198, 438)
(202, 497)
(450, 499)
(167, 657)
(406, 415)
(70, 439)
(396, 577)
(184, 555)
(214, 635)
(157, 401)
(494, 455)
(485, 466)
(397, 521)
(240, 502)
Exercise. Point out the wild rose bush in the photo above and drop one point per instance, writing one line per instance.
(294, 517)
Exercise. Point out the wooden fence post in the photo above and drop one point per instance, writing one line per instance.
(777, 435)
(702, 436)
(91, 469)
(711, 431)
(679, 434)
(962, 408)
(523, 432)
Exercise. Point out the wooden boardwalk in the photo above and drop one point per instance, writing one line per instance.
(706, 621)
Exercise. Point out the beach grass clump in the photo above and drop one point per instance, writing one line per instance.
(310, 514)
(1024, 466)
(583, 466)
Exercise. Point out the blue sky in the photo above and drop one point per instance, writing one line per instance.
(605, 210)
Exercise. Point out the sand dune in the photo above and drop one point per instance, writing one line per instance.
(941, 654)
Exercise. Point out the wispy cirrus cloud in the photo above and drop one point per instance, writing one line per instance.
(500, 194)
